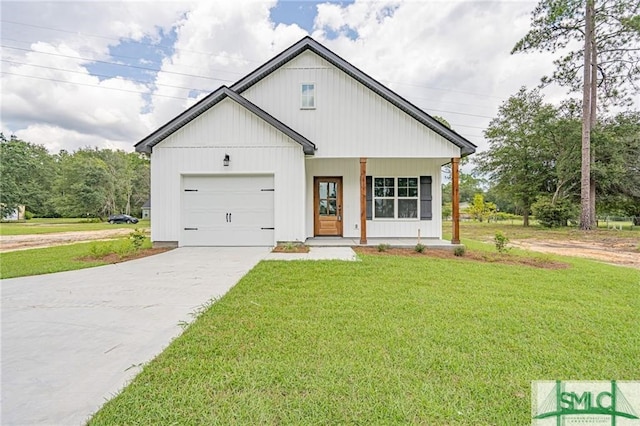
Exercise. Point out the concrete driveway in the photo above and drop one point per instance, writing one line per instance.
(71, 340)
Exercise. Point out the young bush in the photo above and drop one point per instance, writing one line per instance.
(97, 251)
(91, 220)
(551, 214)
(501, 242)
(383, 247)
(28, 215)
(459, 251)
(419, 248)
(137, 237)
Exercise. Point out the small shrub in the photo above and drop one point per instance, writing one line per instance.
(124, 247)
(137, 237)
(28, 215)
(501, 242)
(499, 216)
(91, 220)
(289, 246)
(550, 214)
(459, 251)
(419, 248)
(96, 250)
(383, 247)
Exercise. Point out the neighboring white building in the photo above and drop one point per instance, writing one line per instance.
(15, 215)
(146, 210)
(306, 145)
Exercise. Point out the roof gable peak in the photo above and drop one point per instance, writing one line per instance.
(308, 43)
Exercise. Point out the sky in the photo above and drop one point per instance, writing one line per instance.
(107, 73)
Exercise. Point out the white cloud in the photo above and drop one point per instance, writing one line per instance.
(450, 58)
(56, 138)
(236, 36)
(71, 108)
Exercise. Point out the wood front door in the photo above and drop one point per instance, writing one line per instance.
(327, 196)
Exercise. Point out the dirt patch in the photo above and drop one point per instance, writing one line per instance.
(115, 258)
(297, 248)
(24, 242)
(502, 258)
(617, 251)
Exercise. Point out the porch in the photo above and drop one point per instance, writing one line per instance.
(430, 243)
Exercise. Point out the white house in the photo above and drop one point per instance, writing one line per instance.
(307, 145)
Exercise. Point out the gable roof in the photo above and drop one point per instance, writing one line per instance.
(146, 144)
(307, 43)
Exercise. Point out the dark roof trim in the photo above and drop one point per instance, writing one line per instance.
(307, 43)
(146, 144)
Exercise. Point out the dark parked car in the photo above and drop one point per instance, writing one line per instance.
(122, 218)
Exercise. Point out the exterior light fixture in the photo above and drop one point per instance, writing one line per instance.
(226, 160)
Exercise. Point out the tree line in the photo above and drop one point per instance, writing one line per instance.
(89, 182)
(576, 159)
(534, 158)
(533, 162)
(605, 68)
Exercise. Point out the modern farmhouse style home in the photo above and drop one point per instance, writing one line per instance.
(305, 146)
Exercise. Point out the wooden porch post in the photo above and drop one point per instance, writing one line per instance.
(363, 201)
(455, 201)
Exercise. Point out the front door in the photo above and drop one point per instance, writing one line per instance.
(327, 206)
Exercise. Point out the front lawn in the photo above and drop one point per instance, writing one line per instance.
(483, 231)
(389, 340)
(69, 257)
(49, 226)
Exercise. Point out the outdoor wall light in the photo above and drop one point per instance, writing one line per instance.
(226, 160)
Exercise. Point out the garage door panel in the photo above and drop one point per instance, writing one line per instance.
(227, 211)
(224, 237)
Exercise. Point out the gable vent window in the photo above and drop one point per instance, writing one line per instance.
(308, 98)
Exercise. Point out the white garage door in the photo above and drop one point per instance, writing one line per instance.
(227, 211)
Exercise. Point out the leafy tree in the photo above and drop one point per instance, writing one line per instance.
(83, 186)
(617, 168)
(556, 26)
(98, 183)
(469, 185)
(610, 33)
(442, 120)
(141, 180)
(518, 160)
(26, 171)
(503, 202)
(481, 210)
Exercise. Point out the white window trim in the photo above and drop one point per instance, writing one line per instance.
(315, 96)
(395, 198)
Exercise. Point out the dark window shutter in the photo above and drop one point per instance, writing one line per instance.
(369, 198)
(426, 197)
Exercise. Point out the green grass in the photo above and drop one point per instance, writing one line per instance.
(389, 340)
(39, 261)
(482, 231)
(48, 226)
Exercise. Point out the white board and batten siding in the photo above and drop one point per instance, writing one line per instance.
(349, 170)
(255, 149)
(349, 119)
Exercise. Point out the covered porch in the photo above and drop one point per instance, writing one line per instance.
(430, 243)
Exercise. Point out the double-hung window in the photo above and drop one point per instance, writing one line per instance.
(395, 198)
(408, 197)
(384, 193)
(308, 96)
